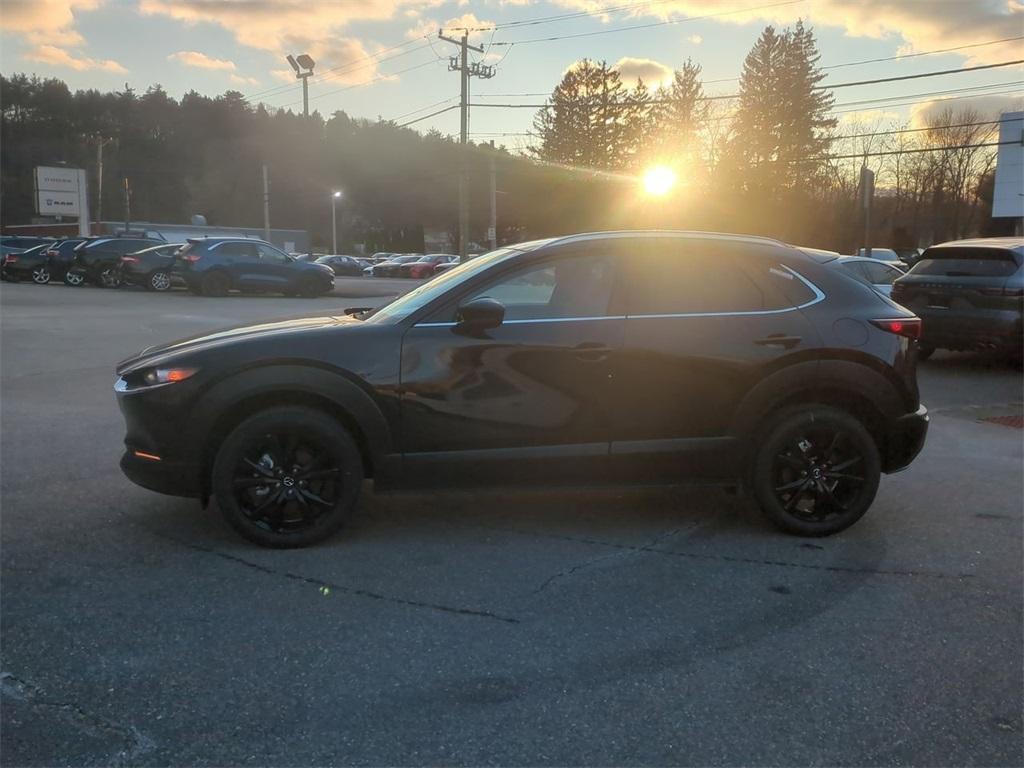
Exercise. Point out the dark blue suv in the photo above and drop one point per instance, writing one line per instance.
(212, 266)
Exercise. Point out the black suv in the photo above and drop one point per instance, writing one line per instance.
(969, 294)
(620, 357)
(212, 266)
(98, 259)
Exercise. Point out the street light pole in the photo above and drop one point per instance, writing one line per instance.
(334, 222)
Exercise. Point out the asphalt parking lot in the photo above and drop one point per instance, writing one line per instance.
(639, 627)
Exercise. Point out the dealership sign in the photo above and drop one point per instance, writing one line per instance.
(59, 191)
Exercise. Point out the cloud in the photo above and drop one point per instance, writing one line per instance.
(452, 27)
(923, 25)
(201, 61)
(242, 80)
(653, 73)
(45, 22)
(986, 107)
(695, 39)
(58, 57)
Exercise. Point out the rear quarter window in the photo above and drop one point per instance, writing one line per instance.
(966, 262)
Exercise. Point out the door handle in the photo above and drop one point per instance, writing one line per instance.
(591, 351)
(779, 340)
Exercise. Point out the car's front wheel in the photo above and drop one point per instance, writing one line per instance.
(815, 471)
(74, 279)
(287, 477)
(159, 281)
(41, 275)
(110, 278)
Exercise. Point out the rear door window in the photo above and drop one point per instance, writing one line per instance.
(239, 251)
(966, 262)
(880, 274)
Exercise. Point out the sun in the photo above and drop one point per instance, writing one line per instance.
(659, 180)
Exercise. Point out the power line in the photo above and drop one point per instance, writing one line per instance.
(380, 77)
(727, 96)
(649, 25)
(421, 109)
(564, 16)
(858, 155)
(427, 117)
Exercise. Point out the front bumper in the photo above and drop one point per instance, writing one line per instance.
(170, 477)
(904, 440)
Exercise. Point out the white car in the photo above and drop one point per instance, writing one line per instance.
(879, 274)
(880, 254)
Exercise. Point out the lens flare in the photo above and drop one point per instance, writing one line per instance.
(659, 181)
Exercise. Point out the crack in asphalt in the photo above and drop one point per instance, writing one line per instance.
(136, 743)
(352, 591)
(593, 561)
(651, 549)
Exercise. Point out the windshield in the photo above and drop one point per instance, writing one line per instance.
(410, 302)
(966, 262)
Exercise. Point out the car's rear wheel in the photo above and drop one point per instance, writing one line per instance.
(159, 280)
(110, 278)
(215, 284)
(816, 470)
(40, 275)
(287, 477)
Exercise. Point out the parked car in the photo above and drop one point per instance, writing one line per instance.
(30, 264)
(60, 257)
(343, 265)
(390, 267)
(880, 275)
(380, 256)
(909, 256)
(969, 294)
(445, 267)
(424, 267)
(882, 254)
(20, 243)
(212, 266)
(152, 268)
(618, 357)
(98, 259)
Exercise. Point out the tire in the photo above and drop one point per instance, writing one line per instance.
(74, 279)
(310, 289)
(41, 275)
(924, 351)
(109, 278)
(215, 284)
(798, 454)
(159, 281)
(253, 490)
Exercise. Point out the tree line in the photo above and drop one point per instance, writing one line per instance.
(763, 162)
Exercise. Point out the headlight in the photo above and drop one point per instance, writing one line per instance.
(155, 376)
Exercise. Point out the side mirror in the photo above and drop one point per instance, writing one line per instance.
(481, 314)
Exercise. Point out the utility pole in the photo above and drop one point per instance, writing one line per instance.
(127, 206)
(466, 70)
(867, 194)
(100, 142)
(266, 205)
(492, 230)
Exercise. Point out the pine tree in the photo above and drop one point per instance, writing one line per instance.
(782, 116)
(683, 109)
(586, 121)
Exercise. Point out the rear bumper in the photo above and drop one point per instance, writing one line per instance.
(971, 331)
(904, 440)
(172, 478)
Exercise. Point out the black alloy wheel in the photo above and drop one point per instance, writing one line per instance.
(817, 471)
(41, 275)
(310, 288)
(287, 477)
(215, 284)
(110, 278)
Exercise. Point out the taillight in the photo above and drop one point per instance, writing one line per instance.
(10, 258)
(129, 260)
(903, 326)
(191, 258)
(1013, 292)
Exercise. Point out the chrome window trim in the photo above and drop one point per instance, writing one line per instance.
(819, 296)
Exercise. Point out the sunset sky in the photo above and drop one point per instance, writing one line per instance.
(381, 58)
